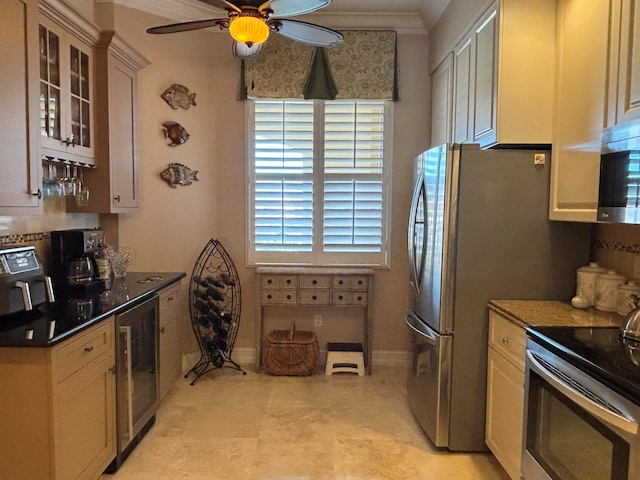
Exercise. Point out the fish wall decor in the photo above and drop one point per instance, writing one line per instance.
(175, 132)
(178, 96)
(178, 174)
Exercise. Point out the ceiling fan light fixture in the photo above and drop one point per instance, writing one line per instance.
(249, 28)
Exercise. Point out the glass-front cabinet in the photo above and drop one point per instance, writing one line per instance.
(66, 95)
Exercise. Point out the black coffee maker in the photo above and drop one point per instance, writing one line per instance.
(73, 261)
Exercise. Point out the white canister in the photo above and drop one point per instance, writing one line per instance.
(607, 290)
(627, 297)
(586, 281)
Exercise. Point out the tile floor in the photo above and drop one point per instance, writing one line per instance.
(261, 427)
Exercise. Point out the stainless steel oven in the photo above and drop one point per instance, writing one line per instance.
(576, 427)
(137, 389)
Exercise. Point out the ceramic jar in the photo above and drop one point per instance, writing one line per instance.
(586, 281)
(627, 295)
(607, 290)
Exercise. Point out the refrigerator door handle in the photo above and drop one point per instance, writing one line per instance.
(414, 324)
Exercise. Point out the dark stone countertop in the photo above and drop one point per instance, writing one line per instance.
(52, 323)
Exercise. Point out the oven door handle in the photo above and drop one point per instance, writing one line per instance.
(607, 416)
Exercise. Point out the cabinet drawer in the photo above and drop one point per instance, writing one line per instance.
(315, 281)
(279, 297)
(82, 349)
(508, 339)
(351, 282)
(349, 298)
(279, 281)
(315, 297)
(169, 301)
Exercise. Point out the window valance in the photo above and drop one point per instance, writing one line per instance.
(364, 66)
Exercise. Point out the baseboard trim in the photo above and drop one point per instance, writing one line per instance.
(247, 356)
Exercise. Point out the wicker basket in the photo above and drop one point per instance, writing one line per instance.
(291, 352)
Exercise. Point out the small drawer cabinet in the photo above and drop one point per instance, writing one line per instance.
(315, 287)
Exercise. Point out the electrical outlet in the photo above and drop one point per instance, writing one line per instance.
(317, 320)
(539, 158)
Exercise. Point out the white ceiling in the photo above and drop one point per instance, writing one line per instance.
(406, 16)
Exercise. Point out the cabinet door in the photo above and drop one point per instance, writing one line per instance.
(66, 95)
(84, 420)
(122, 137)
(581, 80)
(628, 94)
(441, 102)
(484, 113)
(20, 190)
(462, 90)
(170, 356)
(505, 412)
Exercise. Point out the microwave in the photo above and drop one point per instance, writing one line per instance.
(619, 186)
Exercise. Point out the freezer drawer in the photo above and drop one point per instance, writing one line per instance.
(429, 379)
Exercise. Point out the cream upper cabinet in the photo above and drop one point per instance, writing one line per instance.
(503, 75)
(20, 180)
(505, 392)
(441, 98)
(113, 185)
(66, 84)
(624, 73)
(581, 82)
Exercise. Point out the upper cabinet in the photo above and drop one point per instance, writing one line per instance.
(441, 97)
(20, 177)
(67, 86)
(624, 65)
(580, 105)
(503, 76)
(113, 185)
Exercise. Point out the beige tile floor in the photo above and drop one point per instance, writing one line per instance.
(261, 427)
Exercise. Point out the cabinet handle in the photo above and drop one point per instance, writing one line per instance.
(505, 340)
(113, 369)
(38, 194)
(162, 330)
(88, 349)
(117, 199)
(169, 299)
(69, 142)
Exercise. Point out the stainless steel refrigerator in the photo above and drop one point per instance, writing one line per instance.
(478, 230)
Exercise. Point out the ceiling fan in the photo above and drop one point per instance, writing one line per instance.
(251, 21)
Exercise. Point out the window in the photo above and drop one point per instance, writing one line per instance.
(319, 182)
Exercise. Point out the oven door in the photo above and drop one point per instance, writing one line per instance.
(575, 428)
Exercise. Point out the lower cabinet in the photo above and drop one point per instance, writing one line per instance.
(505, 392)
(170, 357)
(57, 407)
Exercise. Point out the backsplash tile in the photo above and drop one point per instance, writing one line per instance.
(615, 246)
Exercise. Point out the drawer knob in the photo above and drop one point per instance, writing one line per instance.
(269, 281)
(315, 297)
(88, 349)
(505, 340)
(359, 298)
(340, 282)
(288, 297)
(359, 282)
(288, 281)
(269, 297)
(340, 297)
(315, 282)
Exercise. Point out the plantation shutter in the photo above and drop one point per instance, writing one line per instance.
(283, 204)
(353, 176)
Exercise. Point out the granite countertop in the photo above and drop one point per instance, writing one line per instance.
(52, 323)
(553, 313)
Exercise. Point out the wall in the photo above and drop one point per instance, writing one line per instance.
(173, 225)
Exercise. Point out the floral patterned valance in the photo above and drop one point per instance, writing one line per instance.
(364, 66)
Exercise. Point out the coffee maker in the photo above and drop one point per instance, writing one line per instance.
(74, 266)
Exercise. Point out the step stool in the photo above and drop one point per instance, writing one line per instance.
(344, 358)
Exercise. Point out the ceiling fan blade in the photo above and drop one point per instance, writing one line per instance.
(222, 4)
(290, 8)
(187, 26)
(307, 32)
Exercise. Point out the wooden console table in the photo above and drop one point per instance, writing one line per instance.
(301, 286)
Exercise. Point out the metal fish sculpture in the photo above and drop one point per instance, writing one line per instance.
(175, 132)
(178, 96)
(178, 174)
